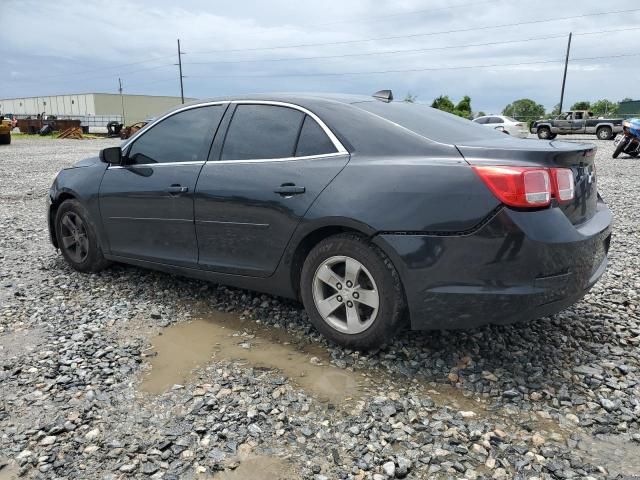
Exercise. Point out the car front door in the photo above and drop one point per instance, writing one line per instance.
(563, 122)
(147, 203)
(260, 180)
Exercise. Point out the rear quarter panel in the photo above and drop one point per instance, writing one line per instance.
(407, 194)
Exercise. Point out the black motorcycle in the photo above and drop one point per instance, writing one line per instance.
(629, 141)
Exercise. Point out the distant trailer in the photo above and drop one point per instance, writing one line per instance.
(89, 123)
(33, 126)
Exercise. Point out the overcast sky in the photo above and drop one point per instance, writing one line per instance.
(77, 46)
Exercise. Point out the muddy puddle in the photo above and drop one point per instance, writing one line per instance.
(186, 346)
(8, 472)
(617, 453)
(259, 468)
(217, 336)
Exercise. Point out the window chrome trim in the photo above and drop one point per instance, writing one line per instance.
(149, 125)
(169, 164)
(341, 150)
(336, 143)
(279, 159)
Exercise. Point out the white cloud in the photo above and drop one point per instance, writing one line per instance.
(83, 46)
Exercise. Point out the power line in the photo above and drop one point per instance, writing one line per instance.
(401, 51)
(414, 35)
(379, 18)
(105, 75)
(76, 74)
(429, 69)
(613, 30)
(387, 52)
(99, 69)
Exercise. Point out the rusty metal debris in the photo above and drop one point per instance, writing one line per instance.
(131, 130)
(73, 132)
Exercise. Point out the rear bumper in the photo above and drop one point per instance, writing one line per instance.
(519, 266)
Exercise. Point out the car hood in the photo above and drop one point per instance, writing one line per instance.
(87, 162)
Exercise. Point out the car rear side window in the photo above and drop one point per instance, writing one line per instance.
(262, 132)
(481, 120)
(178, 138)
(429, 122)
(313, 140)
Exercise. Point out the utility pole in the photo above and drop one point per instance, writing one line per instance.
(566, 65)
(121, 99)
(180, 69)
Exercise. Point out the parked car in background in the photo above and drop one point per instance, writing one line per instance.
(504, 124)
(577, 122)
(363, 208)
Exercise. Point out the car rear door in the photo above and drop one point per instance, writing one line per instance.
(147, 204)
(563, 123)
(260, 180)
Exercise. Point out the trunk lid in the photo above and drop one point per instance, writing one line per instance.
(579, 157)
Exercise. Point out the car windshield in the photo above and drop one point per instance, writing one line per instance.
(511, 119)
(429, 122)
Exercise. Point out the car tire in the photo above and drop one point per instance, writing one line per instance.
(604, 133)
(338, 275)
(76, 237)
(5, 139)
(544, 133)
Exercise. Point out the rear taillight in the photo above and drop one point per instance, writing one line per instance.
(527, 186)
(564, 186)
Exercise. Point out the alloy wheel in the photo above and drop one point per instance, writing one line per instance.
(74, 237)
(345, 294)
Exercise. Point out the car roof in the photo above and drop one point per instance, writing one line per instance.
(371, 126)
(306, 100)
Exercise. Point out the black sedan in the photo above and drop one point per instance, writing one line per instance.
(364, 208)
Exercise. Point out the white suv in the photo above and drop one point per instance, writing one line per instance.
(504, 124)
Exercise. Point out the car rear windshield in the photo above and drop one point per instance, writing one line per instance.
(429, 122)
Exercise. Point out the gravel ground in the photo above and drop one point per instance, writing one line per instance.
(555, 398)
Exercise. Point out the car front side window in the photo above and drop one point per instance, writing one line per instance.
(178, 138)
(262, 132)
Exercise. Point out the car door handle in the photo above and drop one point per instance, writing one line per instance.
(175, 189)
(287, 189)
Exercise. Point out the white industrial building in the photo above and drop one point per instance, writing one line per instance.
(94, 109)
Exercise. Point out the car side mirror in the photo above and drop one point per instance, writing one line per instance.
(111, 155)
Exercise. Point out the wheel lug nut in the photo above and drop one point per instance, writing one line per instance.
(349, 304)
(356, 295)
(339, 298)
(349, 284)
(339, 286)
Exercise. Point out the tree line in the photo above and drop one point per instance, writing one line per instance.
(523, 109)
